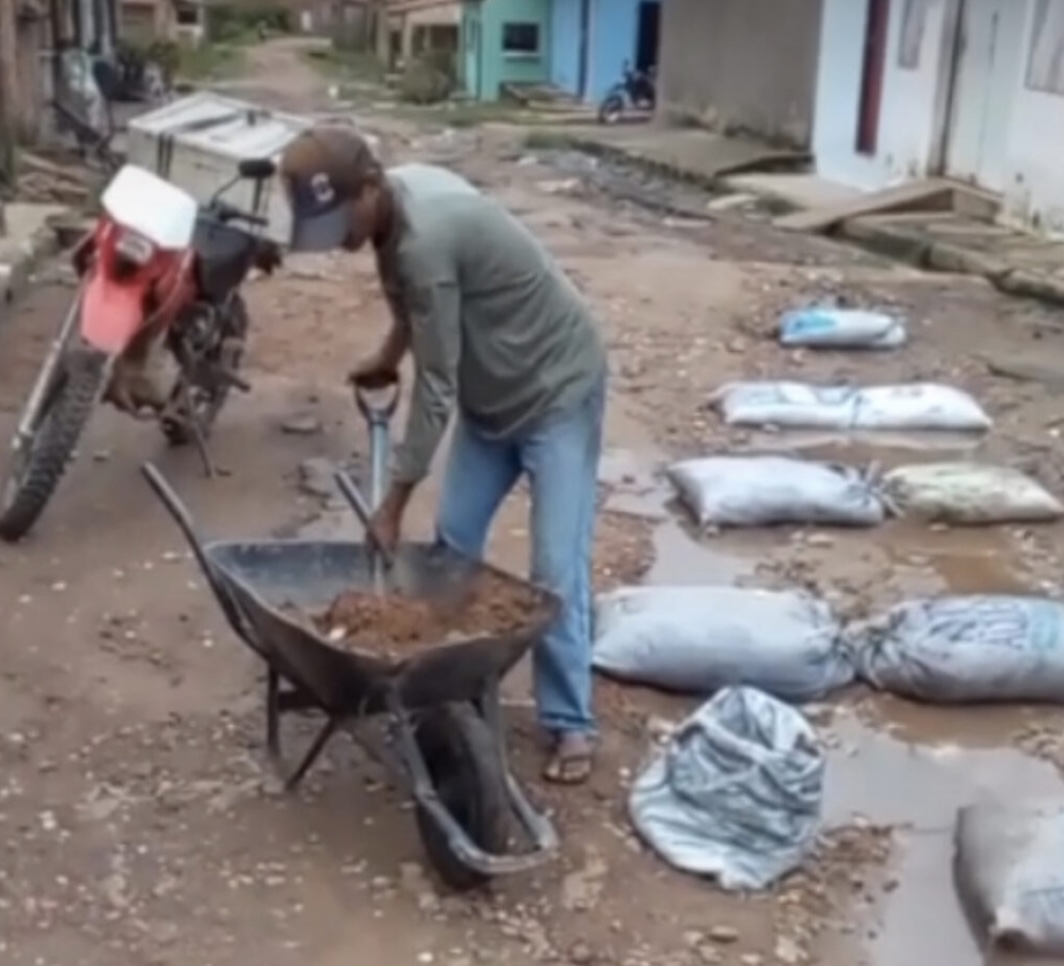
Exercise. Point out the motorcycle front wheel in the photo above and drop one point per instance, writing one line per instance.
(611, 109)
(39, 462)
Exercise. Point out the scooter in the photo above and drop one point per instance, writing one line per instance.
(636, 91)
(156, 271)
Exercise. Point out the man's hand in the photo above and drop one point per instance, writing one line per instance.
(374, 372)
(387, 522)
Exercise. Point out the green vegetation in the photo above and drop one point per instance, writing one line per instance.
(346, 64)
(235, 23)
(209, 61)
(465, 114)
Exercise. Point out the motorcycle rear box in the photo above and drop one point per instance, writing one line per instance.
(197, 141)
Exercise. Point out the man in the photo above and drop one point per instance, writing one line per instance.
(499, 333)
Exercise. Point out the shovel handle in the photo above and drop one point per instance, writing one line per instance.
(353, 495)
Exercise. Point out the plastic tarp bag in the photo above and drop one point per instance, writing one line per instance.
(1010, 872)
(978, 648)
(836, 328)
(736, 793)
(755, 491)
(696, 640)
(797, 405)
(970, 493)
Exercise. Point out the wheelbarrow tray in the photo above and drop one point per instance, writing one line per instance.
(277, 585)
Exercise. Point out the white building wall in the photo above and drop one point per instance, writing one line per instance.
(910, 106)
(1034, 193)
(1023, 154)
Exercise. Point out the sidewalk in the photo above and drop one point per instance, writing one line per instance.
(958, 241)
(1015, 262)
(691, 154)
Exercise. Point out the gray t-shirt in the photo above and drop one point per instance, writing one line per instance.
(495, 325)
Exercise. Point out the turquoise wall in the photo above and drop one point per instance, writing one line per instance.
(486, 67)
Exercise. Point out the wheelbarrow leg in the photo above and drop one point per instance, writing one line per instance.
(539, 828)
(276, 704)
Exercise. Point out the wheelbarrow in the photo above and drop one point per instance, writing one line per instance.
(439, 706)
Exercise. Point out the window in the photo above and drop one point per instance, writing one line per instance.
(520, 39)
(188, 16)
(1045, 61)
(911, 39)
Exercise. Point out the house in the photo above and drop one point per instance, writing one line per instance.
(143, 21)
(742, 65)
(592, 40)
(32, 43)
(965, 89)
(417, 26)
(346, 21)
(504, 42)
(190, 22)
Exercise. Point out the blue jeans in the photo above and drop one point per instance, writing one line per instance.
(560, 459)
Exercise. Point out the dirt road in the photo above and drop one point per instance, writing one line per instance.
(136, 821)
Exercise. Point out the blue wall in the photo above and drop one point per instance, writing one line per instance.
(612, 41)
(613, 25)
(565, 45)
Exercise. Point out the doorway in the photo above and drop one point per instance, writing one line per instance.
(582, 67)
(875, 58)
(986, 63)
(647, 33)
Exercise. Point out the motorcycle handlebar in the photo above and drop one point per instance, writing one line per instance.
(226, 212)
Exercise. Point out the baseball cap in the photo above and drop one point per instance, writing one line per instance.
(324, 169)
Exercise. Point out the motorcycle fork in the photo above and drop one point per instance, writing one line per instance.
(48, 376)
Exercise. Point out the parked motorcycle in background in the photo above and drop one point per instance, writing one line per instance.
(636, 92)
(157, 271)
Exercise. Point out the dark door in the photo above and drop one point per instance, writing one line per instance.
(646, 35)
(585, 41)
(875, 55)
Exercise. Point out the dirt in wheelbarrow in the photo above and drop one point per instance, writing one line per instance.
(492, 606)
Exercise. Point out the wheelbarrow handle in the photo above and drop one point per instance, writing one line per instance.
(169, 499)
(353, 495)
(183, 519)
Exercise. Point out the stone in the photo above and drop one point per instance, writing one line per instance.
(316, 477)
(301, 424)
(724, 934)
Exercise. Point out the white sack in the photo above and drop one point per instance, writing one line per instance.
(736, 793)
(953, 650)
(696, 640)
(796, 405)
(754, 491)
(1010, 872)
(841, 329)
(970, 493)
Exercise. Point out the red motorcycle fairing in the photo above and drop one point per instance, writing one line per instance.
(121, 297)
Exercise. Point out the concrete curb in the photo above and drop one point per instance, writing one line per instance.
(903, 245)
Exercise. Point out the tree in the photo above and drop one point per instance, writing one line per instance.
(8, 89)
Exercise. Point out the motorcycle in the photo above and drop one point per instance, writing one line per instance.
(157, 271)
(636, 91)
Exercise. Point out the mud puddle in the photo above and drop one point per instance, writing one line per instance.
(680, 557)
(890, 762)
(916, 783)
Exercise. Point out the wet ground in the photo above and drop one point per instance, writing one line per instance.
(136, 821)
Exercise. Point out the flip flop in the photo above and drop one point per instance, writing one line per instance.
(571, 761)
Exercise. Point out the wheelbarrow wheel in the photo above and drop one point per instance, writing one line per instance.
(463, 759)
